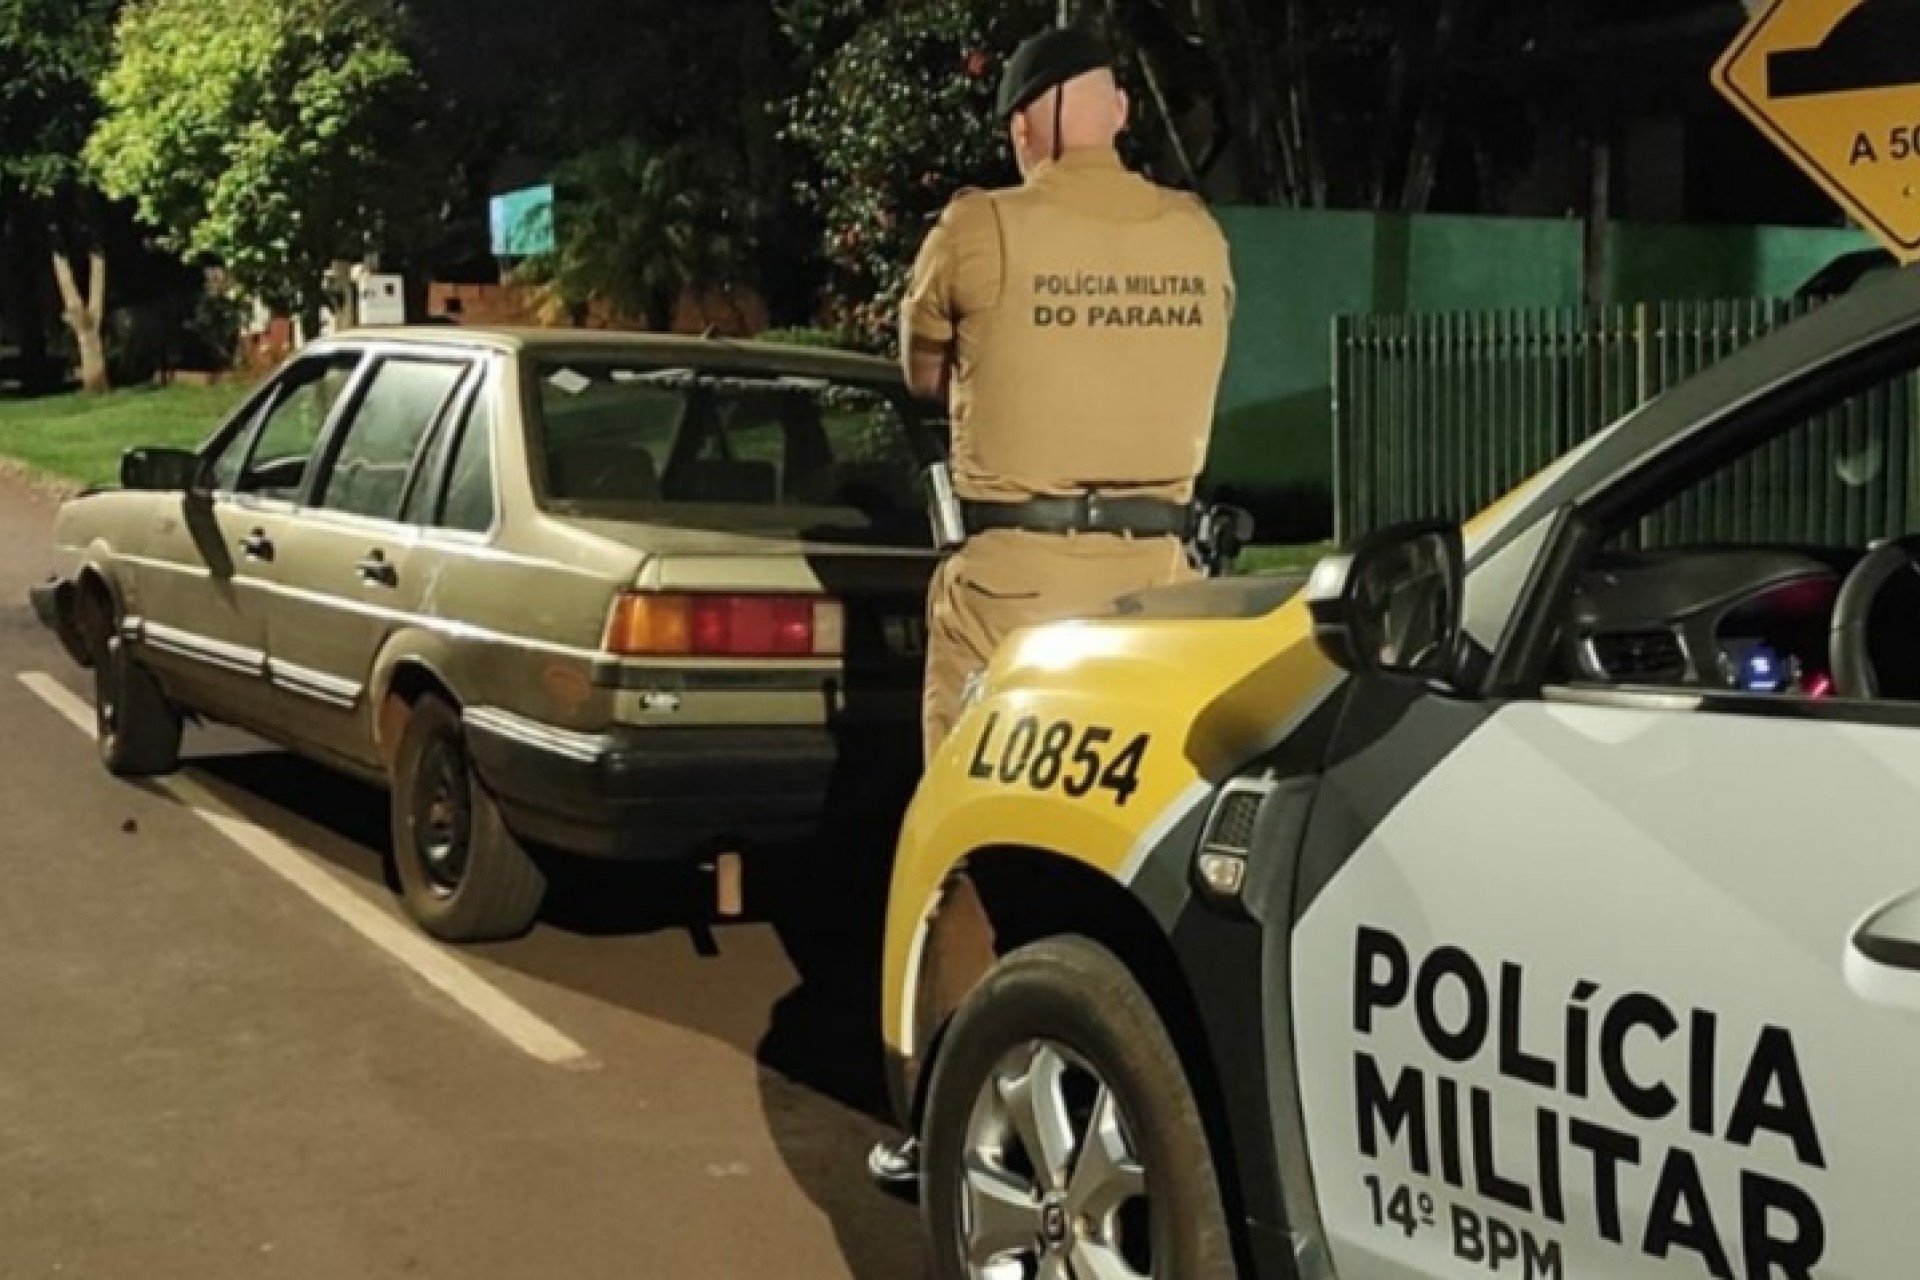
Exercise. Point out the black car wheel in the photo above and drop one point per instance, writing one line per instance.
(138, 730)
(1061, 1137)
(464, 877)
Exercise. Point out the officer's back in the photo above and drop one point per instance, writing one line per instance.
(1077, 324)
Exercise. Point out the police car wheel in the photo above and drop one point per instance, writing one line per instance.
(1061, 1136)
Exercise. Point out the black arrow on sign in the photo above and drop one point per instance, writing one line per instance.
(1877, 46)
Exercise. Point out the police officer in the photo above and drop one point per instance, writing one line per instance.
(1076, 325)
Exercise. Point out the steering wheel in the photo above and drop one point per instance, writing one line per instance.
(1853, 673)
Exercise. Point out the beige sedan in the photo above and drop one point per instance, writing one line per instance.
(610, 595)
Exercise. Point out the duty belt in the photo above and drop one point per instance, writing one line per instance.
(1086, 513)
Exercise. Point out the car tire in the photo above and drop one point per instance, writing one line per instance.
(1065, 1010)
(464, 877)
(138, 730)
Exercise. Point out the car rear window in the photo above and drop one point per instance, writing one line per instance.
(619, 431)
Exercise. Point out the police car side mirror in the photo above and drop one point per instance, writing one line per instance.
(1391, 604)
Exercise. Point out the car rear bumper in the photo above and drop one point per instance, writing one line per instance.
(53, 603)
(667, 793)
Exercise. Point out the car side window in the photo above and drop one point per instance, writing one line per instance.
(469, 505)
(285, 440)
(402, 402)
(223, 467)
(1729, 575)
(424, 495)
(1839, 478)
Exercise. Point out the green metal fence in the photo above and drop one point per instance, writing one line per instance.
(1437, 415)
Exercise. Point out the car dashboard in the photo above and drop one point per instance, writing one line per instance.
(1746, 620)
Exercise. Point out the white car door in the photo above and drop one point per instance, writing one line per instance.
(1605, 979)
(1623, 990)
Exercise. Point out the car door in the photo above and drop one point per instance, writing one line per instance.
(205, 579)
(1609, 978)
(344, 580)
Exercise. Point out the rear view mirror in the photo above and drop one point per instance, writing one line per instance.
(158, 470)
(1392, 603)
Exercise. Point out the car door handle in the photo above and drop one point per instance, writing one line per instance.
(1883, 955)
(375, 571)
(257, 545)
(1890, 934)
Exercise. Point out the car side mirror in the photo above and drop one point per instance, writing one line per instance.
(159, 470)
(1392, 603)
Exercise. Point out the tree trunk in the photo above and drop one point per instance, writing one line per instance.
(1158, 92)
(1429, 130)
(661, 306)
(1599, 215)
(307, 321)
(1270, 105)
(1297, 127)
(1235, 61)
(1393, 115)
(345, 295)
(85, 314)
(21, 256)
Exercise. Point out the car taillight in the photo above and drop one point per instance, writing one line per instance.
(726, 626)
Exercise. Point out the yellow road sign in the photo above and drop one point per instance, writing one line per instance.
(1836, 85)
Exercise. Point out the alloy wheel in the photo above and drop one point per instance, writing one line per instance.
(1054, 1187)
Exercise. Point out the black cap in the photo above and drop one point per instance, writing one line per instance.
(1047, 60)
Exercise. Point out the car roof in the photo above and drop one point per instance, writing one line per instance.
(826, 362)
(1877, 311)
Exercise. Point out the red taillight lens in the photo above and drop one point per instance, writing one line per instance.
(753, 626)
(726, 626)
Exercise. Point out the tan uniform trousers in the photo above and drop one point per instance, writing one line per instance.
(1005, 579)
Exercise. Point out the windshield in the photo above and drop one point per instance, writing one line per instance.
(686, 441)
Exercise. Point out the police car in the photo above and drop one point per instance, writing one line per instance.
(1539, 899)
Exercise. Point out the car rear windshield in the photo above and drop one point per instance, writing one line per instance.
(627, 432)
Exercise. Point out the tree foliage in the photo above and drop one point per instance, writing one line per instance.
(51, 54)
(529, 88)
(897, 113)
(1307, 97)
(259, 132)
(1322, 103)
(638, 226)
(1326, 103)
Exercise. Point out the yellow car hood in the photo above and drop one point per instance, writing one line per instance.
(1217, 667)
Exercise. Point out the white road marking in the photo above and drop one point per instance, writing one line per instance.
(511, 1020)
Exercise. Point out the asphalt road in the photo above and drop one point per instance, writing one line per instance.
(205, 1074)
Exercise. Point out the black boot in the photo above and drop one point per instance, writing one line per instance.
(896, 1165)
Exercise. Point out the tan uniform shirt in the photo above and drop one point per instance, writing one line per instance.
(1086, 312)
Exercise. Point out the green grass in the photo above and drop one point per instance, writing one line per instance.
(1298, 559)
(80, 438)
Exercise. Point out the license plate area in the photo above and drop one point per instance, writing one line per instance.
(886, 633)
(906, 635)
